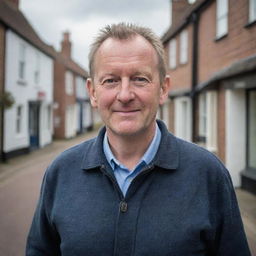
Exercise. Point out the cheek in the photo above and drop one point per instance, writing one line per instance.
(105, 100)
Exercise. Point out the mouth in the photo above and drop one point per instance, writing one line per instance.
(127, 112)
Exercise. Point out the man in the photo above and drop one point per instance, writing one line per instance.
(135, 189)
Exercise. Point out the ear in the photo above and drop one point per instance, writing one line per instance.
(165, 88)
(92, 92)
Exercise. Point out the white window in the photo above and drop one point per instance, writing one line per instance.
(182, 118)
(252, 130)
(22, 61)
(69, 83)
(184, 47)
(37, 69)
(202, 115)
(19, 114)
(222, 18)
(172, 54)
(211, 136)
(208, 119)
(252, 10)
(191, 1)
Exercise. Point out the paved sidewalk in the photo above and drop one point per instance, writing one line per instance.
(20, 180)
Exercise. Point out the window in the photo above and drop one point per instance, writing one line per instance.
(252, 130)
(252, 10)
(184, 47)
(37, 69)
(208, 119)
(191, 1)
(19, 119)
(69, 83)
(49, 114)
(22, 61)
(211, 125)
(182, 118)
(202, 115)
(222, 18)
(172, 54)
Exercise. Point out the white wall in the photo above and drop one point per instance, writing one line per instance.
(235, 133)
(25, 90)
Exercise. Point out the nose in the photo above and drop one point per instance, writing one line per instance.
(125, 93)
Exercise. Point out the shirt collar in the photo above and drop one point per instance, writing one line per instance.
(167, 156)
(147, 157)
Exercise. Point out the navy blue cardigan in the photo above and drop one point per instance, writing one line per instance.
(182, 204)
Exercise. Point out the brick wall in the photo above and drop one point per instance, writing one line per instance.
(61, 98)
(239, 42)
(181, 78)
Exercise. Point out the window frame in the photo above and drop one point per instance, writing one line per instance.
(69, 89)
(173, 54)
(252, 11)
(19, 114)
(184, 47)
(22, 61)
(221, 16)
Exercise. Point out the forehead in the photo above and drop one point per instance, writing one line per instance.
(135, 49)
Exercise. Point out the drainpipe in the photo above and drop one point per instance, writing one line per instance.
(194, 72)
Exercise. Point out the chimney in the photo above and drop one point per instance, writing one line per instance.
(178, 8)
(66, 45)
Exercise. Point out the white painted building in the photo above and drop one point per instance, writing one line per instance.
(83, 106)
(29, 78)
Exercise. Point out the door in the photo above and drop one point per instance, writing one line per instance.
(34, 124)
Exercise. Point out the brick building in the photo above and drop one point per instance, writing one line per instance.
(73, 112)
(211, 52)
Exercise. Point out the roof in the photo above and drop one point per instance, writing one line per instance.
(183, 20)
(71, 65)
(13, 18)
(239, 67)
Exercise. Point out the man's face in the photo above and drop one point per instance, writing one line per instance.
(126, 87)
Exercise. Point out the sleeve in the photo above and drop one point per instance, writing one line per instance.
(230, 238)
(43, 238)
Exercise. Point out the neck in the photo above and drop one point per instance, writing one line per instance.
(128, 150)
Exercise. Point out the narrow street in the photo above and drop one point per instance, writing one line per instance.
(20, 181)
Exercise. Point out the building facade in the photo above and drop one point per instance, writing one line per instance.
(72, 111)
(27, 74)
(211, 49)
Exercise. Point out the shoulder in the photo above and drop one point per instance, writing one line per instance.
(202, 162)
(69, 161)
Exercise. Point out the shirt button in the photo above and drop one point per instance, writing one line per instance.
(123, 206)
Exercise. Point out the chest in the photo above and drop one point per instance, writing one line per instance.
(156, 218)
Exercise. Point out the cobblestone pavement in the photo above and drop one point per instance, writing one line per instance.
(20, 181)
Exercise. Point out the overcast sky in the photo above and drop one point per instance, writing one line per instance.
(83, 18)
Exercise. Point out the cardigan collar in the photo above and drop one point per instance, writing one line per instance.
(167, 156)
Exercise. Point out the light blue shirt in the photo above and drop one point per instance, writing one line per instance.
(123, 175)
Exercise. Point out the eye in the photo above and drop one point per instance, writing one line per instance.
(110, 81)
(140, 80)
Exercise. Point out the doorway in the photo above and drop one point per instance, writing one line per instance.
(34, 124)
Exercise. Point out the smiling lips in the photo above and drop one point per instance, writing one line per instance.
(126, 112)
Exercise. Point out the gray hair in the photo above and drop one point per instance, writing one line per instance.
(123, 31)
